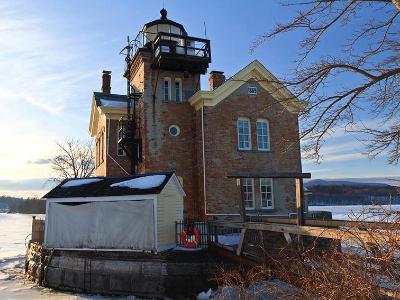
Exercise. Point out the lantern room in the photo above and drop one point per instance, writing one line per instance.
(173, 49)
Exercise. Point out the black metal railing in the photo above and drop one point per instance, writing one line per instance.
(180, 45)
(202, 226)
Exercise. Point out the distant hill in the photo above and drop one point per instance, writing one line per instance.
(337, 192)
(343, 182)
(22, 206)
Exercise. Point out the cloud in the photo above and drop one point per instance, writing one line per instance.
(40, 161)
(26, 184)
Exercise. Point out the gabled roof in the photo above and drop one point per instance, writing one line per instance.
(106, 104)
(255, 71)
(143, 184)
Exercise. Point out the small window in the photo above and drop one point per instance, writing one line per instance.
(252, 90)
(248, 192)
(267, 197)
(174, 130)
(120, 150)
(243, 130)
(167, 89)
(262, 135)
(178, 91)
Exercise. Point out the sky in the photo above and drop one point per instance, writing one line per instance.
(52, 54)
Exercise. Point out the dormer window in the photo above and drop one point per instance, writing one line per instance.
(167, 89)
(178, 90)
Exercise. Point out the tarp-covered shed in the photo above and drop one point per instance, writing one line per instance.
(114, 213)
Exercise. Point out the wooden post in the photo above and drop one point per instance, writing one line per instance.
(241, 241)
(300, 201)
(242, 209)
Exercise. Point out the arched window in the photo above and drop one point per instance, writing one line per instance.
(167, 89)
(178, 90)
(262, 135)
(244, 134)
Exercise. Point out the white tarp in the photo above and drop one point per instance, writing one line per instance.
(101, 225)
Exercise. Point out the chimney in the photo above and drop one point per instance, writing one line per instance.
(216, 79)
(106, 86)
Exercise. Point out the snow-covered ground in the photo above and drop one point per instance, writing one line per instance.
(15, 228)
(345, 212)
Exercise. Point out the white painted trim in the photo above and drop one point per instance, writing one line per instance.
(100, 249)
(180, 89)
(104, 198)
(253, 71)
(237, 130)
(272, 193)
(253, 195)
(46, 220)
(204, 161)
(155, 207)
(169, 89)
(178, 183)
(268, 135)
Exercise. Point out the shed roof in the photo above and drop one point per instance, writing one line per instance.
(143, 184)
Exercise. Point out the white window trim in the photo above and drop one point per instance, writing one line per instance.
(253, 196)
(272, 195)
(169, 89)
(237, 130)
(180, 89)
(268, 139)
(119, 155)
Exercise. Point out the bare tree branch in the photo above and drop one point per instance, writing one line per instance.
(361, 78)
(75, 159)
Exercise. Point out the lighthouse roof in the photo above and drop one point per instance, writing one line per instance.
(163, 20)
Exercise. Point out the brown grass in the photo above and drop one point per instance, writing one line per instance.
(330, 273)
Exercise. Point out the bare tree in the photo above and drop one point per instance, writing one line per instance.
(75, 159)
(361, 77)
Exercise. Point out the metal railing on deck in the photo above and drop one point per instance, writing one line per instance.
(202, 226)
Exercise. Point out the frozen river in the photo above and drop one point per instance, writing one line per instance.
(14, 231)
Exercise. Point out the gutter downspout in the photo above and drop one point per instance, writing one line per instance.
(204, 160)
(108, 122)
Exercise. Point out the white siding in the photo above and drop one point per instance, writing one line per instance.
(169, 210)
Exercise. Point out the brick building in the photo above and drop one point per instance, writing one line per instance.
(245, 124)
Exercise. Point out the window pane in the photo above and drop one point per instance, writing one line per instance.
(248, 193)
(262, 135)
(178, 92)
(166, 90)
(266, 193)
(243, 128)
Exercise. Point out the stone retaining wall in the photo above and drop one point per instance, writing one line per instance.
(143, 275)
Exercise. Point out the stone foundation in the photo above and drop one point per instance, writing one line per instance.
(174, 274)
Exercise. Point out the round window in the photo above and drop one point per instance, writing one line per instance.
(174, 130)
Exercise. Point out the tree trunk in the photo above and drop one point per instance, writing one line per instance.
(396, 3)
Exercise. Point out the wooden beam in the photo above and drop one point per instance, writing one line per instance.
(299, 201)
(350, 234)
(268, 175)
(241, 241)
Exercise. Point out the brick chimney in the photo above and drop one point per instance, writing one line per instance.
(216, 79)
(106, 85)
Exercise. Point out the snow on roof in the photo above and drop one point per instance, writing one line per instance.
(113, 103)
(146, 182)
(78, 182)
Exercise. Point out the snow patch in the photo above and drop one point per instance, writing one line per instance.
(204, 295)
(229, 239)
(112, 103)
(78, 182)
(145, 182)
